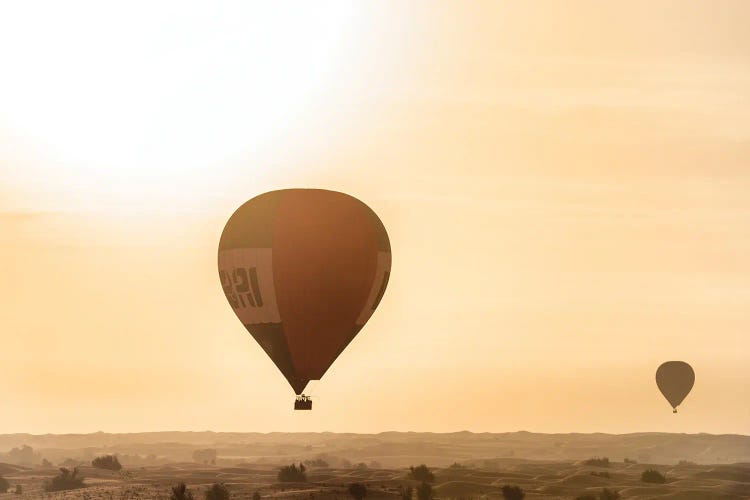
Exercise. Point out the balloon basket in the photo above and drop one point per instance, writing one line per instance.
(303, 403)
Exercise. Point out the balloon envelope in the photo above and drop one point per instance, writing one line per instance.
(675, 380)
(303, 270)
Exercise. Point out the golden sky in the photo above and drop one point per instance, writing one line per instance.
(565, 186)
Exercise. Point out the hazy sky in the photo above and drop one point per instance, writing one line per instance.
(565, 185)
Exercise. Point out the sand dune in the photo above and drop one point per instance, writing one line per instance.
(465, 465)
(561, 480)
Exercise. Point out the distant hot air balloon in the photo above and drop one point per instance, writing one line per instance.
(675, 379)
(304, 269)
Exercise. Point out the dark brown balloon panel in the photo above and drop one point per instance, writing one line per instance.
(304, 269)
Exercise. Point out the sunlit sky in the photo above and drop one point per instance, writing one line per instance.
(565, 186)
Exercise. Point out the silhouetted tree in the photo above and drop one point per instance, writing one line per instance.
(629, 461)
(422, 473)
(4, 484)
(66, 480)
(512, 492)
(217, 491)
(22, 455)
(46, 463)
(292, 474)
(108, 462)
(180, 492)
(406, 492)
(256, 495)
(424, 492)
(597, 462)
(358, 491)
(653, 476)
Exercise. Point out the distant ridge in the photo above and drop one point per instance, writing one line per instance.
(396, 449)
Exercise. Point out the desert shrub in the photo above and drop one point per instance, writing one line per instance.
(19, 489)
(4, 484)
(653, 476)
(513, 492)
(629, 461)
(600, 474)
(256, 495)
(456, 465)
(607, 494)
(66, 480)
(358, 491)
(217, 491)
(46, 463)
(424, 492)
(604, 495)
(108, 462)
(406, 492)
(205, 456)
(597, 462)
(292, 474)
(180, 492)
(421, 473)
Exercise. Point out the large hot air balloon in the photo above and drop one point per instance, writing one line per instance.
(675, 379)
(303, 270)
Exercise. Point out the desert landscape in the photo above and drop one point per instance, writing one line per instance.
(460, 465)
(502, 246)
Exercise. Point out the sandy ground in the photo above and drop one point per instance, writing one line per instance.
(562, 480)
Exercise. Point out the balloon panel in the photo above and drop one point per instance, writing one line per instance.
(247, 279)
